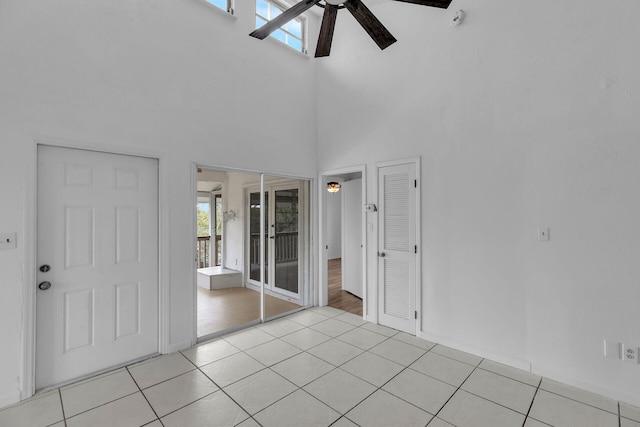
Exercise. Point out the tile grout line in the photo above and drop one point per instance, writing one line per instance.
(64, 417)
(619, 416)
(227, 394)
(379, 388)
(198, 368)
(531, 405)
(498, 403)
(100, 405)
(143, 395)
(580, 401)
(455, 392)
(510, 378)
(301, 388)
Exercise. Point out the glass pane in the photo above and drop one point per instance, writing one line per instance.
(262, 8)
(254, 236)
(260, 22)
(275, 11)
(203, 210)
(295, 28)
(286, 241)
(218, 214)
(218, 228)
(294, 43)
(280, 35)
(222, 4)
(203, 248)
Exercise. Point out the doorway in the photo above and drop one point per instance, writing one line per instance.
(229, 291)
(283, 235)
(344, 240)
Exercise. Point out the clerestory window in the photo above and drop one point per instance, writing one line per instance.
(292, 33)
(225, 5)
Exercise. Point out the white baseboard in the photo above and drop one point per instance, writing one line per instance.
(630, 398)
(496, 357)
(179, 346)
(9, 399)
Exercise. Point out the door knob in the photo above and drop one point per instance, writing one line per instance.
(43, 286)
(382, 254)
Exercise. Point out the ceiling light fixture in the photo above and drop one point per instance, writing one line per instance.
(333, 187)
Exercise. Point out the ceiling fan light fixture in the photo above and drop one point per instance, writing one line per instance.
(333, 187)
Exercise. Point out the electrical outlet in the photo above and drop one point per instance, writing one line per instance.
(630, 354)
(543, 234)
(8, 240)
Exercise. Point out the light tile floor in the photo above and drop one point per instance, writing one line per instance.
(320, 367)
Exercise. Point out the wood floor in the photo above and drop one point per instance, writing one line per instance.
(337, 297)
(225, 308)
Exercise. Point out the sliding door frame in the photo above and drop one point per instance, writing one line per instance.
(307, 288)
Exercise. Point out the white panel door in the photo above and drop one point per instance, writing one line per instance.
(98, 250)
(352, 209)
(396, 243)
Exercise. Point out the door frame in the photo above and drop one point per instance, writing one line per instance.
(323, 276)
(308, 251)
(418, 234)
(28, 348)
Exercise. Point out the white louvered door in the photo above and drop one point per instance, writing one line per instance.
(98, 235)
(397, 247)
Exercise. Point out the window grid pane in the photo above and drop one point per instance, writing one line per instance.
(262, 8)
(222, 4)
(290, 34)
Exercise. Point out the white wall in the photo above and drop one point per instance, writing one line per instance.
(334, 225)
(168, 78)
(524, 116)
(235, 229)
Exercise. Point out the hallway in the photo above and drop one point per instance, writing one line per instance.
(338, 298)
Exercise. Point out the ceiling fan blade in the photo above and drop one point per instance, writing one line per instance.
(370, 23)
(286, 16)
(443, 4)
(326, 30)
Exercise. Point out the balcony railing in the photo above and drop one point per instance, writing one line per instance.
(204, 251)
(286, 248)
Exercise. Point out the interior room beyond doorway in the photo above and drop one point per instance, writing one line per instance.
(344, 242)
(229, 206)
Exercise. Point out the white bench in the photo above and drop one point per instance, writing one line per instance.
(219, 278)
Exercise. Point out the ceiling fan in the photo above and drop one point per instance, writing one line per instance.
(360, 12)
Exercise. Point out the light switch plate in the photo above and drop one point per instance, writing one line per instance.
(8, 240)
(612, 349)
